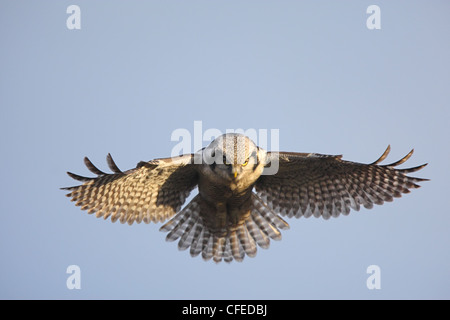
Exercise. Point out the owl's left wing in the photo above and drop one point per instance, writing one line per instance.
(325, 185)
(153, 191)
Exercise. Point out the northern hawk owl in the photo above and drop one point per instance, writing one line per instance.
(240, 201)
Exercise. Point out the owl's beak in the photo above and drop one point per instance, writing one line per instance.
(234, 171)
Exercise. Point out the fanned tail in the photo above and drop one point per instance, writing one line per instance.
(256, 229)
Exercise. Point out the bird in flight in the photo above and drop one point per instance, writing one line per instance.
(243, 193)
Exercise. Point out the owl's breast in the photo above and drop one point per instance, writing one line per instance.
(232, 192)
(224, 207)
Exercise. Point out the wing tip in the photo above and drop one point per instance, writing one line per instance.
(112, 165)
(78, 177)
(383, 156)
(92, 168)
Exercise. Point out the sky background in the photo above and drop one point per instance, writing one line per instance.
(137, 71)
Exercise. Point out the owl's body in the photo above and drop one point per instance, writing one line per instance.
(238, 206)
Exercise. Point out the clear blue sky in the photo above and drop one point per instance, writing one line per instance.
(137, 71)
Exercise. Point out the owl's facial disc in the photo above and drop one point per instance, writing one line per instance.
(233, 157)
(236, 169)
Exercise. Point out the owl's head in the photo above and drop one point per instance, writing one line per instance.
(234, 157)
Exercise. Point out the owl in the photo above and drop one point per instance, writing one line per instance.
(244, 192)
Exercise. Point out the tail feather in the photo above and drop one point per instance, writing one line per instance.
(256, 230)
(181, 224)
(196, 245)
(257, 234)
(219, 249)
(207, 248)
(228, 252)
(237, 251)
(189, 235)
(246, 241)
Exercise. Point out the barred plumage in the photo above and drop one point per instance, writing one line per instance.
(152, 192)
(326, 186)
(226, 220)
(258, 228)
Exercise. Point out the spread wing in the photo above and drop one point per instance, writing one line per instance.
(153, 191)
(325, 185)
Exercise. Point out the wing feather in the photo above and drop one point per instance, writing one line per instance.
(112, 165)
(153, 191)
(325, 185)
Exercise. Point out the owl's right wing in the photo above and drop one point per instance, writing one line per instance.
(153, 191)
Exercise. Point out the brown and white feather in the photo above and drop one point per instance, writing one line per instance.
(327, 186)
(152, 192)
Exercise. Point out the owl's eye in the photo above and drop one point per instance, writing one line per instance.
(225, 161)
(245, 163)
